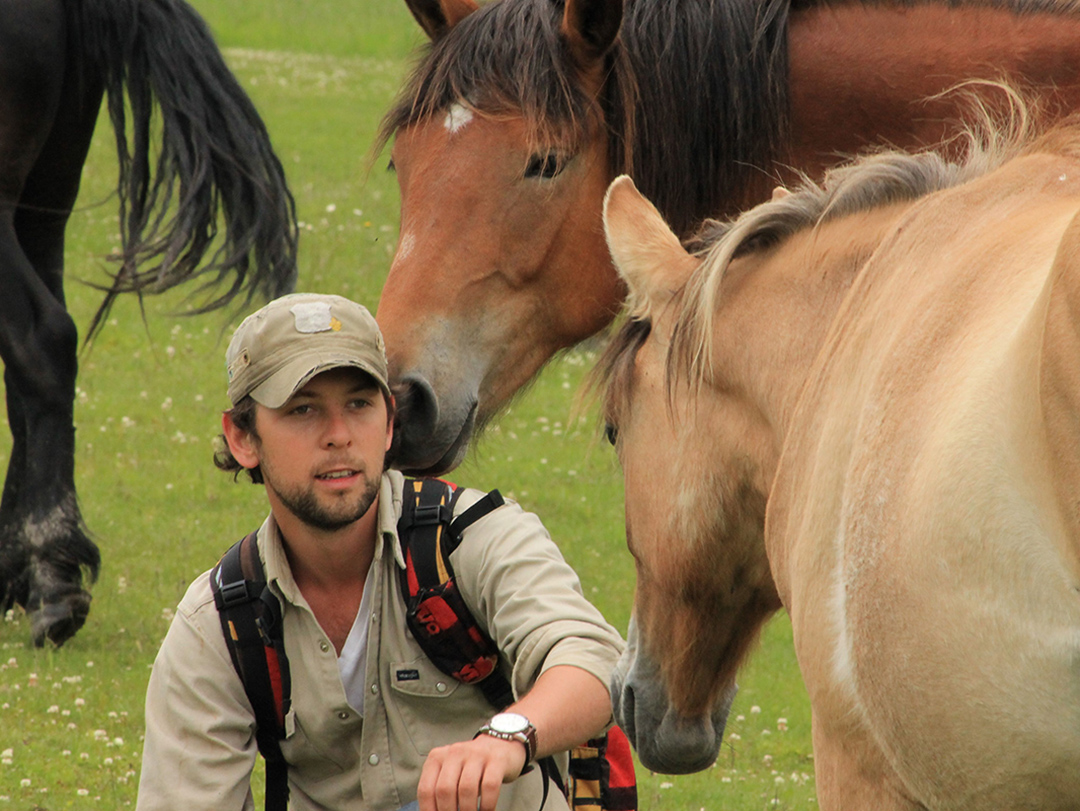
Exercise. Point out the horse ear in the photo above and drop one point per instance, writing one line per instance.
(646, 252)
(437, 17)
(590, 27)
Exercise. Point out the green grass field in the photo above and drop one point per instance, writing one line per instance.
(149, 402)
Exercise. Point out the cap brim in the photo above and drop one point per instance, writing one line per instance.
(275, 391)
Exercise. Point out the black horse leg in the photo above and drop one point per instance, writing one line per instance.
(47, 116)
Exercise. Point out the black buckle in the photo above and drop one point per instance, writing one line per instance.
(235, 593)
(425, 515)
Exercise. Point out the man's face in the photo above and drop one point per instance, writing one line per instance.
(322, 453)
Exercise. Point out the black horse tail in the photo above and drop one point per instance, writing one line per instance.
(214, 159)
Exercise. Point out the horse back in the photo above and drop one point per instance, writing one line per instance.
(915, 527)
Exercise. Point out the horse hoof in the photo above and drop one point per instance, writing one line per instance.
(58, 622)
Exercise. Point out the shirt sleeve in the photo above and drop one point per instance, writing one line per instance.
(528, 598)
(199, 747)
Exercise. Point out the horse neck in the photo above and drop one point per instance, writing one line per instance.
(805, 285)
(862, 74)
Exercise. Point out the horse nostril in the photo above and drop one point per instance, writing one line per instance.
(417, 408)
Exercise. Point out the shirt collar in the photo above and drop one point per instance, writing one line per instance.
(390, 500)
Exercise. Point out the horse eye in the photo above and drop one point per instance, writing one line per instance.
(544, 166)
(611, 433)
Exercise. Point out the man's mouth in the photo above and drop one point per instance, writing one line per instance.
(337, 474)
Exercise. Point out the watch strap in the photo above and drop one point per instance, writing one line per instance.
(526, 737)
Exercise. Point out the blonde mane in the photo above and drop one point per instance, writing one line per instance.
(876, 179)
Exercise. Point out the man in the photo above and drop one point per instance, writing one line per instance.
(373, 723)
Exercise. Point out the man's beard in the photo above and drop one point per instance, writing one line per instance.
(306, 507)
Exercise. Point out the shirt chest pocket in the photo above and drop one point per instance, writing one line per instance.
(314, 762)
(435, 709)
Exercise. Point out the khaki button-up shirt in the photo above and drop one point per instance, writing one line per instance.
(200, 745)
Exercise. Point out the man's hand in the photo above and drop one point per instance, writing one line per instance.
(467, 776)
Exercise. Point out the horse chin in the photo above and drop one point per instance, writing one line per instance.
(665, 741)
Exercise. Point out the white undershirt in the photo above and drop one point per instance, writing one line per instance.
(353, 659)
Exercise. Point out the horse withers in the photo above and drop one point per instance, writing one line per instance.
(202, 195)
(522, 112)
(859, 402)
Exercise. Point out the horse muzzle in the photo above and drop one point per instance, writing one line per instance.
(665, 741)
(429, 440)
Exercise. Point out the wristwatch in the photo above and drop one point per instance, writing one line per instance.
(511, 726)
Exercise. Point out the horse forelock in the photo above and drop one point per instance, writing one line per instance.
(612, 376)
(505, 59)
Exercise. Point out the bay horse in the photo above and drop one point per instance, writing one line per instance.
(206, 164)
(858, 402)
(521, 112)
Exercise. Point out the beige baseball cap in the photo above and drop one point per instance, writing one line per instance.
(279, 348)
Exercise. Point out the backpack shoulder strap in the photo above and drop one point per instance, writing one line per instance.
(436, 614)
(251, 622)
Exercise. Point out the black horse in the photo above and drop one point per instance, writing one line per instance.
(210, 163)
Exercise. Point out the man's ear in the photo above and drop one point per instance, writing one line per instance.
(241, 443)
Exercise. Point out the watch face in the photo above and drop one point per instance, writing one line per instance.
(509, 722)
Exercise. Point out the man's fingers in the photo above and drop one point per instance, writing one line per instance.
(490, 785)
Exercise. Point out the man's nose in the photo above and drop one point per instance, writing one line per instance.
(336, 430)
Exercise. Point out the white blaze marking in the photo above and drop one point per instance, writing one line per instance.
(458, 117)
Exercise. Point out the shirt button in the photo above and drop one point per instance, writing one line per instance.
(324, 647)
(343, 715)
(441, 687)
(374, 689)
(373, 760)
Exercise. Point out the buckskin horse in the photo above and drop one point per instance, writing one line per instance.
(522, 111)
(58, 58)
(859, 402)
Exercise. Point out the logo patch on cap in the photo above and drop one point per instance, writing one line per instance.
(314, 316)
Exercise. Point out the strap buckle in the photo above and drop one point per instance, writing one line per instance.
(236, 593)
(426, 515)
